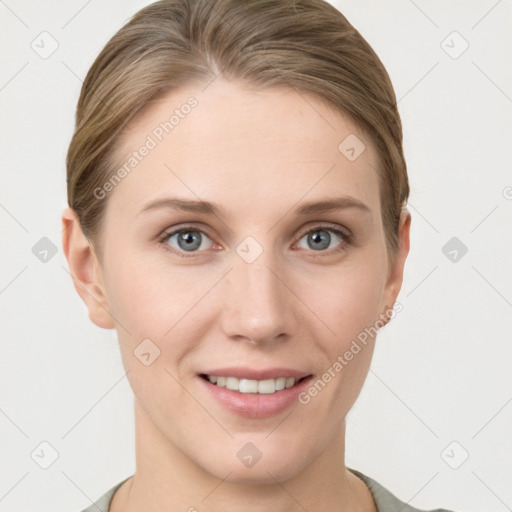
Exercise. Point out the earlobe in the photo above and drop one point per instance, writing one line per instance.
(85, 270)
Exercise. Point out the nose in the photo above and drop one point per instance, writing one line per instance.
(257, 306)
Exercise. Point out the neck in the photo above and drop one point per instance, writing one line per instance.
(166, 479)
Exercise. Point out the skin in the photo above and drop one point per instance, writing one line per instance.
(259, 155)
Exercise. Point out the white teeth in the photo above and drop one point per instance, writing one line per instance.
(280, 383)
(248, 386)
(232, 383)
(290, 381)
(267, 386)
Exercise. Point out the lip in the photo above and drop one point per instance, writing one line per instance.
(241, 372)
(255, 405)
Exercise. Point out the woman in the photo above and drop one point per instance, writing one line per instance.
(237, 192)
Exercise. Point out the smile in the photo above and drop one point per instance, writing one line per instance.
(266, 386)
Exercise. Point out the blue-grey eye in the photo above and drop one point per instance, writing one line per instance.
(320, 239)
(188, 239)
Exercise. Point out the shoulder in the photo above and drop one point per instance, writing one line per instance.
(385, 500)
(103, 503)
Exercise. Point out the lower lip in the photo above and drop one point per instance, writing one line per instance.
(256, 405)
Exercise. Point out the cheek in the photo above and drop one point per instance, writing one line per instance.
(151, 297)
(348, 304)
(161, 303)
(347, 300)
(152, 302)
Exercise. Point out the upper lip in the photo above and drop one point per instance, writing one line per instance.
(241, 372)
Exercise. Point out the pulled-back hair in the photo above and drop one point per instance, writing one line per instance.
(306, 45)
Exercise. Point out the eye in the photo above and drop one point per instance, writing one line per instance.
(191, 240)
(186, 239)
(320, 239)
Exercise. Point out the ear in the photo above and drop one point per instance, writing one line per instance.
(396, 271)
(85, 270)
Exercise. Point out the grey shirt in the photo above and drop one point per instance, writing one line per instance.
(385, 501)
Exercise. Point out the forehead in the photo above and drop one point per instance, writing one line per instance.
(249, 148)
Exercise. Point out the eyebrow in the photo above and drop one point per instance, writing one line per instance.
(208, 208)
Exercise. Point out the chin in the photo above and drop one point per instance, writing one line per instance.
(259, 474)
(247, 464)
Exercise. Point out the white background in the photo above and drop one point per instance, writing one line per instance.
(441, 370)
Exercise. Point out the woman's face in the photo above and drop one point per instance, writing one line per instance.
(260, 285)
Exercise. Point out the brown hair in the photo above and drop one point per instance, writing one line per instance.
(304, 44)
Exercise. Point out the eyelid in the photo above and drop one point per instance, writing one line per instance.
(327, 227)
(167, 233)
(336, 228)
(344, 233)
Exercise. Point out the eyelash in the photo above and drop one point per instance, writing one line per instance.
(345, 235)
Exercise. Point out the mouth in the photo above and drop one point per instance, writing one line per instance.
(253, 386)
(254, 393)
